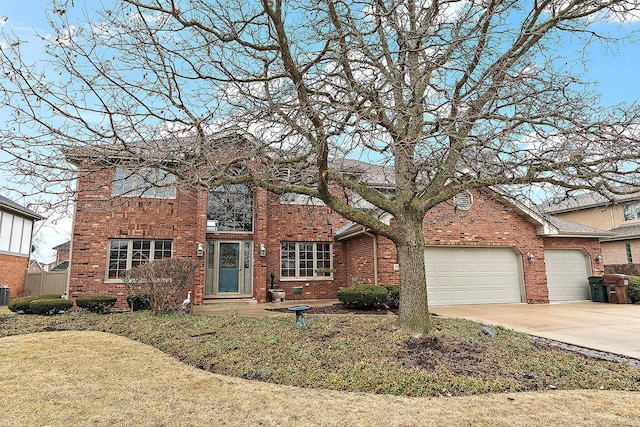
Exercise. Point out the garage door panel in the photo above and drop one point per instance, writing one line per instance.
(473, 275)
(567, 274)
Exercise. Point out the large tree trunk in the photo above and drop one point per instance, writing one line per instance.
(414, 308)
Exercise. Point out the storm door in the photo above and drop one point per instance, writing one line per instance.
(229, 270)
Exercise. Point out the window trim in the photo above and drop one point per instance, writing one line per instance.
(315, 259)
(129, 258)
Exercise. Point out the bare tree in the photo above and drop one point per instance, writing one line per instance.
(448, 95)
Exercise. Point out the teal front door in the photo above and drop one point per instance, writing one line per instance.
(229, 267)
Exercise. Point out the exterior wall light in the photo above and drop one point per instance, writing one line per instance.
(263, 250)
(599, 259)
(199, 251)
(530, 256)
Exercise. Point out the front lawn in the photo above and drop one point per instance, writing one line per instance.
(352, 353)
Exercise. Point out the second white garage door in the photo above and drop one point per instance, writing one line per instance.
(568, 274)
(457, 276)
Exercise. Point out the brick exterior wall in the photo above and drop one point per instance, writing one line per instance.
(489, 223)
(301, 223)
(98, 217)
(12, 273)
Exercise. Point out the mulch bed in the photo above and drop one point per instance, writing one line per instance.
(338, 309)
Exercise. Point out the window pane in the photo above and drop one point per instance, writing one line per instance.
(141, 252)
(323, 259)
(231, 206)
(144, 182)
(118, 250)
(627, 212)
(162, 249)
(287, 260)
(305, 262)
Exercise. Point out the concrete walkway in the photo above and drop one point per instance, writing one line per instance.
(612, 328)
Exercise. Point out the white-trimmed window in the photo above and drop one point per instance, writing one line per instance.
(305, 260)
(125, 254)
(144, 182)
(631, 211)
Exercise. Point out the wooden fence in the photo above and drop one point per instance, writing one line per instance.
(46, 282)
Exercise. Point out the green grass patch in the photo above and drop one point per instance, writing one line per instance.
(352, 353)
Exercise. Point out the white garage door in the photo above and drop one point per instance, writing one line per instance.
(567, 274)
(457, 276)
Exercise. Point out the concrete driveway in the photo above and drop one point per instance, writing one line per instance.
(613, 328)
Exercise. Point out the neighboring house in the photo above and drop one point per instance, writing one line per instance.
(482, 249)
(16, 229)
(62, 252)
(36, 267)
(619, 214)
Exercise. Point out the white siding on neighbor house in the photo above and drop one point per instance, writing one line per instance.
(15, 234)
(473, 275)
(568, 272)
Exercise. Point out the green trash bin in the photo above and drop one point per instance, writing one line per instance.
(598, 290)
(4, 295)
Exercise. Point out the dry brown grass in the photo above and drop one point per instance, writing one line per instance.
(92, 378)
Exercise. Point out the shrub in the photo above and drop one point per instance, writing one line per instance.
(634, 289)
(96, 303)
(164, 282)
(628, 269)
(138, 302)
(364, 297)
(393, 296)
(23, 305)
(50, 306)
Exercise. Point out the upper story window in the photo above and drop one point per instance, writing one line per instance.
(15, 234)
(124, 254)
(144, 182)
(631, 211)
(300, 199)
(230, 208)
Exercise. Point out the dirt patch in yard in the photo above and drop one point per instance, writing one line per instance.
(339, 309)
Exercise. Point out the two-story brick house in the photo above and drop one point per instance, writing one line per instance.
(481, 248)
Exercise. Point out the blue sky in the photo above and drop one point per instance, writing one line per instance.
(616, 74)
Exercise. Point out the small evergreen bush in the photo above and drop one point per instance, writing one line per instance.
(50, 306)
(138, 302)
(96, 303)
(366, 297)
(634, 289)
(23, 305)
(393, 296)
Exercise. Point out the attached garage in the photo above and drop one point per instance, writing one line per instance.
(473, 275)
(567, 274)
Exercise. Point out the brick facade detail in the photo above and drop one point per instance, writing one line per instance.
(14, 269)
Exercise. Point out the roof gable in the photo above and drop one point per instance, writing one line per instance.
(17, 209)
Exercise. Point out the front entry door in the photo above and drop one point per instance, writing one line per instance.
(229, 267)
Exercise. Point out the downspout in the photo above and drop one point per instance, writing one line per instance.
(375, 255)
